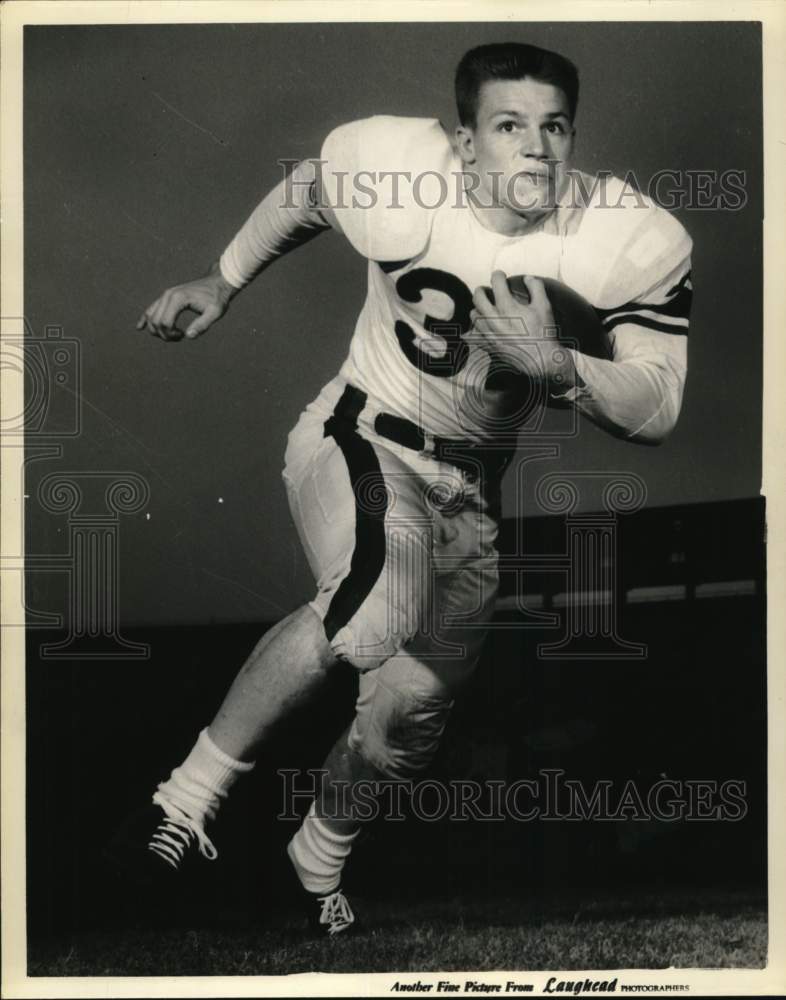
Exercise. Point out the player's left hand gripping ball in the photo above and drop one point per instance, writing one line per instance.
(522, 321)
(514, 329)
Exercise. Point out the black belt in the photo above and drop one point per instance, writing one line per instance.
(473, 459)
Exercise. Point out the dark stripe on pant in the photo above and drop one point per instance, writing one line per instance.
(368, 558)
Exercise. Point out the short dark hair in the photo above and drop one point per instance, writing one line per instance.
(511, 61)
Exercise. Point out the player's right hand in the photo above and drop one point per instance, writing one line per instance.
(208, 296)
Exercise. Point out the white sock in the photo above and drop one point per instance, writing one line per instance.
(318, 854)
(202, 780)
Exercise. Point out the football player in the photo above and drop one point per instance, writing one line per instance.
(393, 471)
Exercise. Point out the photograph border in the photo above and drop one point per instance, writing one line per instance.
(772, 15)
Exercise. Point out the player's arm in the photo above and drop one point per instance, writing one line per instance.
(287, 217)
(647, 297)
(637, 395)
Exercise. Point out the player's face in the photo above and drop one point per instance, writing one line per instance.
(520, 147)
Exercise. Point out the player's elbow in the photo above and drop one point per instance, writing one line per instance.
(665, 398)
(659, 426)
(651, 437)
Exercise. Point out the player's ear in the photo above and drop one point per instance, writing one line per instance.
(465, 143)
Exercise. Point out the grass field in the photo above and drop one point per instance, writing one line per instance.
(684, 930)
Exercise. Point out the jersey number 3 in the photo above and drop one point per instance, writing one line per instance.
(409, 287)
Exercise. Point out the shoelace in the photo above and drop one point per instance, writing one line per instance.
(175, 833)
(336, 912)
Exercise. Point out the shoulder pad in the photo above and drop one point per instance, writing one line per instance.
(382, 177)
(624, 246)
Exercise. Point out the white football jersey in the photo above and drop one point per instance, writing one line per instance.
(629, 258)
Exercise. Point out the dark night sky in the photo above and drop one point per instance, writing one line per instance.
(146, 148)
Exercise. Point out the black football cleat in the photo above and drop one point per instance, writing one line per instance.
(154, 844)
(326, 914)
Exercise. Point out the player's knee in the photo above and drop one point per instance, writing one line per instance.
(371, 638)
(361, 661)
(401, 733)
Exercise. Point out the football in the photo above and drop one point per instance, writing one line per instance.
(578, 323)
